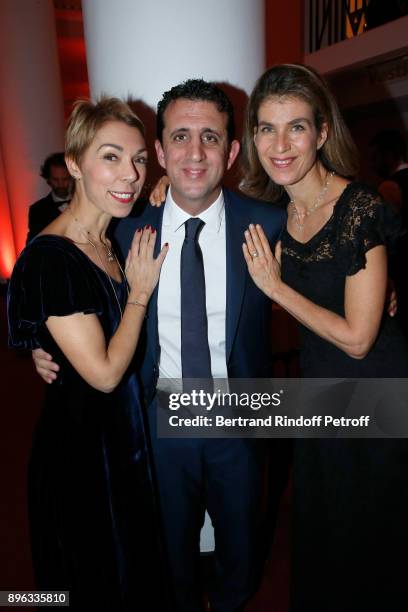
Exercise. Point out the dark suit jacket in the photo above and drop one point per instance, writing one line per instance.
(40, 214)
(248, 310)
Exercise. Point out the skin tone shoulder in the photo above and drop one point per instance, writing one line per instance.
(108, 179)
(287, 141)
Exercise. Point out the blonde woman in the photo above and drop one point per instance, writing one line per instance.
(92, 503)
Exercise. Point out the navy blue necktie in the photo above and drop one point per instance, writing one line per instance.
(195, 351)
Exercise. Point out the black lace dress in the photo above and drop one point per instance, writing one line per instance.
(350, 496)
(92, 503)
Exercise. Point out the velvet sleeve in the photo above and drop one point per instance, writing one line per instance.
(51, 278)
(366, 222)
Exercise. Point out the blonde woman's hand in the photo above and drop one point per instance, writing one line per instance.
(263, 265)
(158, 194)
(142, 268)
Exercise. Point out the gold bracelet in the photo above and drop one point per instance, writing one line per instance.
(136, 303)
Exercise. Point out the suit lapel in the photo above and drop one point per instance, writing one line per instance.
(154, 217)
(236, 224)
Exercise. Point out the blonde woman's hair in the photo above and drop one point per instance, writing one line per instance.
(88, 117)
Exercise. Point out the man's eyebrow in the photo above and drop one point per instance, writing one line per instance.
(179, 129)
(202, 131)
(212, 130)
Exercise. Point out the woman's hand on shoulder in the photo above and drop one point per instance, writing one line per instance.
(263, 265)
(158, 194)
(142, 268)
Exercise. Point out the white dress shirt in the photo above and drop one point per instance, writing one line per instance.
(213, 246)
(64, 203)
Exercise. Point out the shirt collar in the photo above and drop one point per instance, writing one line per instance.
(174, 216)
(58, 200)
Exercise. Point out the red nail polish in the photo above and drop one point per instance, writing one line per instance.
(139, 229)
(166, 244)
(153, 230)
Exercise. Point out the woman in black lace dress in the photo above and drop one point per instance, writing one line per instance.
(330, 273)
(92, 502)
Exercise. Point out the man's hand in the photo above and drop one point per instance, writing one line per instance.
(44, 365)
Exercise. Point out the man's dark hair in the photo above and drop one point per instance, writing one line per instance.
(391, 142)
(55, 159)
(197, 89)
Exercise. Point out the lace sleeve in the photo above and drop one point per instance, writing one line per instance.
(366, 221)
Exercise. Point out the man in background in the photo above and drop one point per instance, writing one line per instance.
(46, 210)
(389, 161)
(388, 154)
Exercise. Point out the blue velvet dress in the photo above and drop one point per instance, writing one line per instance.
(92, 502)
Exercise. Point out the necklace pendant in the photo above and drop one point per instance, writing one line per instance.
(109, 253)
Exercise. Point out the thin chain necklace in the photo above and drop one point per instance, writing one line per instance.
(297, 216)
(110, 255)
(109, 276)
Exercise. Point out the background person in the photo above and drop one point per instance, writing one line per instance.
(388, 156)
(44, 211)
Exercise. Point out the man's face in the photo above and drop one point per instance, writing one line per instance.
(60, 181)
(195, 152)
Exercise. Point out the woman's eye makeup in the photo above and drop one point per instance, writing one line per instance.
(298, 127)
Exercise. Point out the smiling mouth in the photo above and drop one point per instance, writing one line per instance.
(194, 173)
(123, 196)
(282, 163)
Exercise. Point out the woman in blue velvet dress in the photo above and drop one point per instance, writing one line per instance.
(92, 503)
(330, 272)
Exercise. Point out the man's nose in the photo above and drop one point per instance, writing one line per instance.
(196, 150)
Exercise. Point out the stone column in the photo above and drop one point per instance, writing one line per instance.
(144, 48)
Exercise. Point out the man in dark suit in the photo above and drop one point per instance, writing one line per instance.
(195, 145)
(42, 212)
